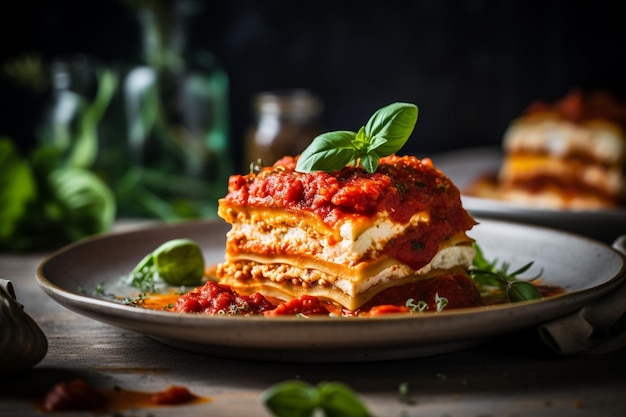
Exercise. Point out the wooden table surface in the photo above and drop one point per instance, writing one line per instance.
(514, 376)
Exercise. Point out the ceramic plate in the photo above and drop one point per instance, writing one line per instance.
(464, 166)
(587, 269)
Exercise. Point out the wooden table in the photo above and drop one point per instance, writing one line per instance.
(514, 376)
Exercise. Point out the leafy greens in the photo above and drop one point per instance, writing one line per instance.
(385, 133)
(300, 399)
(489, 274)
(176, 262)
(53, 196)
(45, 202)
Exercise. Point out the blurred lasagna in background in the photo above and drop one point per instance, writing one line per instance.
(568, 155)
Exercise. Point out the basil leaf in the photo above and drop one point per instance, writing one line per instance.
(338, 400)
(291, 399)
(179, 262)
(84, 202)
(376, 143)
(485, 273)
(522, 291)
(394, 123)
(175, 262)
(384, 134)
(370, 162)
(328, 152)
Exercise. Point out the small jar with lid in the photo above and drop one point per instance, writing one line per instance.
(286, 123)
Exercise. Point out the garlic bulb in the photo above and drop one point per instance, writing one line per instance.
(22, 343)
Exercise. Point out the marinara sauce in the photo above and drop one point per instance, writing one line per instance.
(212, 298)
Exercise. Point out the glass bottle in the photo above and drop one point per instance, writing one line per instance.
(286, 123)
(176, 106)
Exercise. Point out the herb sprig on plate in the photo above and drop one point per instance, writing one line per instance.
(385, 133)
(176, 262)
(489, 274)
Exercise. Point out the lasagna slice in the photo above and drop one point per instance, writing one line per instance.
(567, 155)
(343, 236)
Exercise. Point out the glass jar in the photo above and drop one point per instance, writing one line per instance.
(286, 123)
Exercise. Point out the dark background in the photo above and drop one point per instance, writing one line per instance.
(471, 66)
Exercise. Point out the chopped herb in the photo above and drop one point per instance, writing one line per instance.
(420, 306)
(100, 291)
(403, 394)
(415, 245)
(442, 186)
(416, 307)
(401, 188)
(440, 302)
(255, 167)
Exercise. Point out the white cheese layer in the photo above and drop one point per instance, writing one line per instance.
(349, 250)
(447, 258)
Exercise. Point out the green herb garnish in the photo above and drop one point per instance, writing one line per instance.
(385, 133)
(404, 394)
(488, 274)
(416, 307)
(421, 306)
(301, 399)
(175, 262)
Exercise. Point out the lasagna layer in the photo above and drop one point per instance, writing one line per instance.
(560, 182)
(343, 236)
(598, 142)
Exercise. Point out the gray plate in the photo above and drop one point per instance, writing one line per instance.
(586, 268)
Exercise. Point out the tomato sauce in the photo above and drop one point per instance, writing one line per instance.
(459, 291)
(212, 298)
(79, 395)
(304, 305)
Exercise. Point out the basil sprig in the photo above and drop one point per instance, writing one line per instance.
(176, 262)
(300, 399)
(486, 273)
(385, 133)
